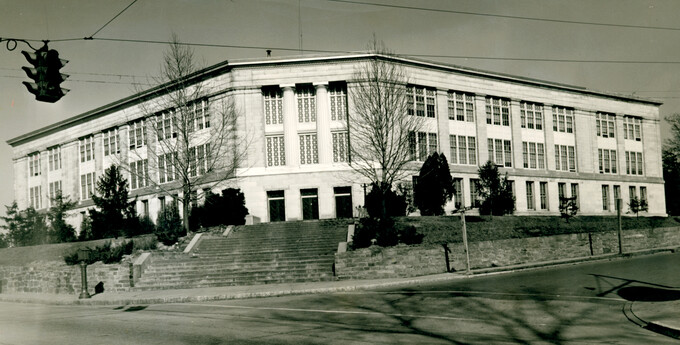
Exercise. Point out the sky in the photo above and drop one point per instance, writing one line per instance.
(627, 47)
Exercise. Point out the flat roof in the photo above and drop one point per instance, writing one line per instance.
(225, 66)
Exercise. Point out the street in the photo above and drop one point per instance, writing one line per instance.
(576, 304)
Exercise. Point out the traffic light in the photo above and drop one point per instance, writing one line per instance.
(45, 74)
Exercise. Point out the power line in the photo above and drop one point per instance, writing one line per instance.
(112, 19)
(506, 16)
(85, 81)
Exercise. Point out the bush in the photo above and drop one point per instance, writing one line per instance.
(394, 203)
(105, 253)
(384, 232)
(226, 209)
(169, 228)
(145, 243)
(85, 229)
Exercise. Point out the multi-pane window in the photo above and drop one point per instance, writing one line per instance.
(643, 194)
(54, 158)
(500, 152)
(531, 115)
(565, 158)
(306, 103)
(632, 194)
(34, 164)
(533, 155)
(340, 147)
(458, 193)
(632, 128)
(544, 195)
(634, 163)
(463, 150)
(338, 94)
(461, 106)
(497, 111)
(87, 149)
(421, 145)
(563, 119)
(198, 115)
(273, 105)
(605, 197)
(199, 159)
(87, 182)
(608, 163)
(111, 142)
(309, 152)
(137, 134)
(574, 194)
(139, 174)
(421, 101)
(54, 187)
(34, 197)
(605, 125)
(165, 124)
(474, 193)
(530, 196)
(617, 196)
(166, 167)
(276, 153)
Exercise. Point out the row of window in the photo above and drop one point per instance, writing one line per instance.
(632, 194)
(306, 103)
(309, 149)
(463, 150)
(543, 201)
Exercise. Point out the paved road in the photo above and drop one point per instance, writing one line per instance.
(580, 304)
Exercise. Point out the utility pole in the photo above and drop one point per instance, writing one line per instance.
(619, 203)
(462, 217)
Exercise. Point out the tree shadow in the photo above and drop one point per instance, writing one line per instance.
(648, 294)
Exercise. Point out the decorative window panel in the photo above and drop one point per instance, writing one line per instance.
(340, 147)
(276, 153)
(273, 105)
(338, 94)
(306, 103)
(309, 153)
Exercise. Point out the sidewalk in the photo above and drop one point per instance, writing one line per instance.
(661, 317)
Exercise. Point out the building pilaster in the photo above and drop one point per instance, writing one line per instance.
(323, 125)
(480, 122)
(443, 123)
(549, 137)
(290, 135)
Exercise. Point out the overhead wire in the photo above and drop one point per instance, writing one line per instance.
(112, 19)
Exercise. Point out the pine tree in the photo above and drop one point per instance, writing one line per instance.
(60, 231)
(114, 212)
(434, 187)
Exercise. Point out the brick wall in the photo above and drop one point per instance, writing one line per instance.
(409, 261)
(59, 278)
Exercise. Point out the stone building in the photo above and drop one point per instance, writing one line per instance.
(553, 139)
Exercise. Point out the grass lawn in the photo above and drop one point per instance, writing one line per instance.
(482, 228)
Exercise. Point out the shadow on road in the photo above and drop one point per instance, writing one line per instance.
(648, 294)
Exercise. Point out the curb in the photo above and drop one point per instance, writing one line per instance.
(653, 326)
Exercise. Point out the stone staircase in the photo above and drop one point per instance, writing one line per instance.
(267, 253)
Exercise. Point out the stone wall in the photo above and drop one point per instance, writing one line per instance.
(59, 278)
(408, 261)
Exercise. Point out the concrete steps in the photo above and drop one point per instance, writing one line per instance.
(258, 254)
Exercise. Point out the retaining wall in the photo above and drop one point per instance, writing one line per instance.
(408, 261)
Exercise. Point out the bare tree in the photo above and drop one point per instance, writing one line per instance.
(193, 140)
(380, 125)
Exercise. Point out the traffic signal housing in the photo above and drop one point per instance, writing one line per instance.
(45, 74)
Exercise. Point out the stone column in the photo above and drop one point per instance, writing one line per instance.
(443, 123)
(44, 181)
(549, 137)
(98, 154)
(323, 124)
(516, 132)
(290, 135)
(585, 140)
(480, 121)
(620, 146)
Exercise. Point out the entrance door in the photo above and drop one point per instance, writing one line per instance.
(310, 203)
(343, 202)
(277, 206)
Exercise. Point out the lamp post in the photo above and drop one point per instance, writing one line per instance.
(83, 256)
(619, 203)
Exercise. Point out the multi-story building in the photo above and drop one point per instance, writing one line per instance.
(553, 140)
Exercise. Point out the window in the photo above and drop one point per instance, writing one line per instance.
(86, 186)
(458, 197)
(472, 151)
(111, 142)
(306, 103)
(199, 160)
(34, 164)
(643, 194)
(530, 196)
(632, 128)
(533, 155)
(161, 203)
(607, 160)
(55, 187)
(198, 115)
(531, 115)
(497, 111)
(145, 208)
(165, 124)
(309, 153)
(137, 134)
(563, 119)
(166, 167)
(574, 194)
(561, 191)
(273, 105)
(35, 197)
(565, 158)
(421, 101)
(276, 153)
(500, 152)
(139, 174)
(632, 193)
(340, 147)
(617, 196)
(421, 145)
(605, 197)
(338, 93)
(86, 149)
(605, 124)
(54, 158)
(474, 193)
(461, 106)
(544, 195)
(634, 163)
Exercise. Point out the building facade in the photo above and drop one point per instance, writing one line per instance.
(553, 140)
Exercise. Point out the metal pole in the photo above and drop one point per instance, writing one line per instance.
(462, 215)
(83, 280)
(618, 215)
